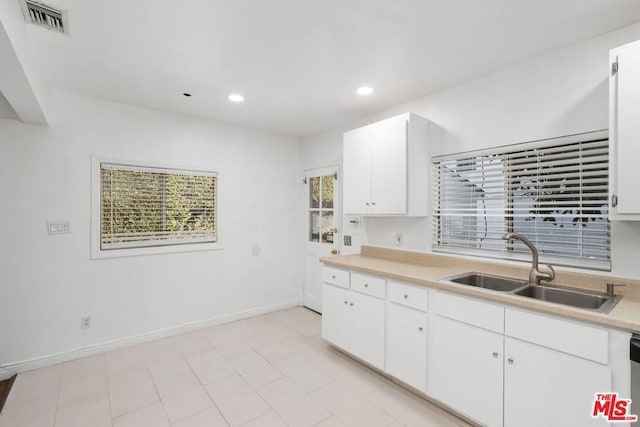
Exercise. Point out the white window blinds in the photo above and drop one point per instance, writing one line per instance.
(143, 206)
(555, 192)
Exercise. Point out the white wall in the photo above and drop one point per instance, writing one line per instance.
(561, 93)
(47, 283)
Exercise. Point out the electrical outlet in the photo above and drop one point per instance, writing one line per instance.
(398, 238)
(347, 240)
(86, 322)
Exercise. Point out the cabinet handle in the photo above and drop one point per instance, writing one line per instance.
(420, 328)
(510, 360)
(333, 277)
(366, 285)
(367, 203)
(406, 296)
(346, 302)
(495, 354)
(373, 203)
(351, 304)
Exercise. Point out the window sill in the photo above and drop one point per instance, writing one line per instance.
(97, 253)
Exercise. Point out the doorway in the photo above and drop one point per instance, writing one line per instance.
(321, 233)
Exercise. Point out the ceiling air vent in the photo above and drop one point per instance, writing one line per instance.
(45, 16)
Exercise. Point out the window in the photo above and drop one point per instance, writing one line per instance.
(555, 192)
(145, 206)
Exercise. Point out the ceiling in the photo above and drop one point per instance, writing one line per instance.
(299, 62)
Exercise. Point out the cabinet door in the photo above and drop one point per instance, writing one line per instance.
(465, 369)
(366, 334)
(335, 315)
(389, 167)
(544, 387)
(627, 129)
(357, 172)
(406, 357)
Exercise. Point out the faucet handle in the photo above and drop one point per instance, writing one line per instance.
(551, 274)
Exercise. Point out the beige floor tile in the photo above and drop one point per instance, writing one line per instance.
(237, 402)
(332, 421)
(302, 372)
(36, 384)
(254, 369)
(182, 396)
(308, 328)
(355, 375)
(350, 406)
(157, 346)
(292, 404)
(232, 349)
(89, 362)
(88, 384)
(209, 366)
(34, 413)
(208, 418)
(150, 416)
(166, 364)
(124, 361)
(84, 413)
(270, 419)
(311, 350)
(191, 342)
(410, 409)
(131, 392)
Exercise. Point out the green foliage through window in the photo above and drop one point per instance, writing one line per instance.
(150, 207)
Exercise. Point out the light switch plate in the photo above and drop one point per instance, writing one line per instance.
(59, 227)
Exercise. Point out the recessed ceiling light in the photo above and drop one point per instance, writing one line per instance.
(236, 97)
(365, 90)
(186, 94)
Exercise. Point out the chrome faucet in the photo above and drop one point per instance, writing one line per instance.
(535, 275)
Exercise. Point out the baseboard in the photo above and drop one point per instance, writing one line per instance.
(5, 374)
(10, 369)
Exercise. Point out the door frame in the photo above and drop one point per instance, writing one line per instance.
(304, 223)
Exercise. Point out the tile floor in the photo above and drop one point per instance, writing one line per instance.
(271, 370)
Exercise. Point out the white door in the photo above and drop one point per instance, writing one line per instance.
(389, 167)
(335, 315)
(465, 369)
(543, 387)
(628, 130)
(357, 171)
(321, 219)
(407, 345)
(366, 328)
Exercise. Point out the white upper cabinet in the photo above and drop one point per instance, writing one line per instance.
(624, 132)
(386, 168)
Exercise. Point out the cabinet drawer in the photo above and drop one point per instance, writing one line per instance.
(335, 276)
(368, 284)
(471, 311)
(581, 340)
(411, 296)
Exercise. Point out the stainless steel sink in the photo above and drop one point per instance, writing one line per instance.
(572, 297)
(487, 281)
(580, 298)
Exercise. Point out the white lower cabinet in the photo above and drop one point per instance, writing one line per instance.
(366, 329)
(335, 315)
(497, 365)
(407, 345)
(465, 369)
(543, 387)
(354, 322)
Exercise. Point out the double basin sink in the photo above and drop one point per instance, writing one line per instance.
(588, 300)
